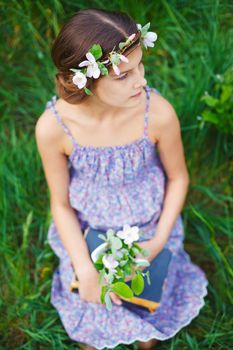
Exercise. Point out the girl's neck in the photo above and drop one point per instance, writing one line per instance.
(103, 113)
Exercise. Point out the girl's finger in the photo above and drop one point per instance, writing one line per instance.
(115, 298)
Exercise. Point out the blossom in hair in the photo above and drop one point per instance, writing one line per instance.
(79, 79)
(148, 38)
(115, 59)
(92, 66)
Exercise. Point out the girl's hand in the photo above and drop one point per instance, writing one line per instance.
(149, 245)
(90, 289)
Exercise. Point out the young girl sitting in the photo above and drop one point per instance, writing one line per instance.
(112, 154)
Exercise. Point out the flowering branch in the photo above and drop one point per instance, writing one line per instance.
(116, 260)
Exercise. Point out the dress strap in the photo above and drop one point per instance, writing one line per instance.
(51, 105)
(148, 94)
(148, 90)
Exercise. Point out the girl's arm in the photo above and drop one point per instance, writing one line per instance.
(48, 137)
(172, 156)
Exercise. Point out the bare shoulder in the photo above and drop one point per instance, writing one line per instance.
(47, 130)
(162, 115)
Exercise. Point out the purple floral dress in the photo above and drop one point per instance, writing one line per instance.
(110, 186)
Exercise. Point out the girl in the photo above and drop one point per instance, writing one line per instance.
(112, 154)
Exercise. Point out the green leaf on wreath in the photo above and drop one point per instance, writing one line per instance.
(88, 92)
(96, 51)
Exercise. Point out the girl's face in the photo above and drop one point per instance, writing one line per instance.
(117, 90)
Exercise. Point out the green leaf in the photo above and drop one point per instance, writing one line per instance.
(137, 284)
(145, 29)
(103, 292)
(116, 243)
(145, 252)
(109, 277)
(123, 262)
(98, 267)
(209, 100)
(135, 250)
(120, 273)
(99, 260)
(128, 268)
(74, 70)
(115, 59)
(96, 51)
(122, 289)
(108, 301)
(147, 274)
(227, 92)
(103, 69)
(101, 276)
(110, 234)
(142, 263)
(88, 92)
(121, 45)
(103, 237)
(210, 117)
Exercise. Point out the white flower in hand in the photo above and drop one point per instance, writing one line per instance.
(79, 79)
(129, 234)
(119, 254)
(109, 262)
(92, 66)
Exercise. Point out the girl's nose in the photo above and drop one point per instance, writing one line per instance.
(141, 82)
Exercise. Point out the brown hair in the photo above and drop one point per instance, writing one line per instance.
(80, 32)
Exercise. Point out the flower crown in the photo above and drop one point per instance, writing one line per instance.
(94, 67)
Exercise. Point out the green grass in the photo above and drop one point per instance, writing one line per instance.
(193, 52)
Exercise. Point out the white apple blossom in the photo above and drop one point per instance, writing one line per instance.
(79, 79)
(129, 234)
(149, 38)
(110, 262)
(92, 66)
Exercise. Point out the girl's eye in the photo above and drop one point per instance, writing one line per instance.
(124, 76)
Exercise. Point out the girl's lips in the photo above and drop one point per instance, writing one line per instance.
(138, 94)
